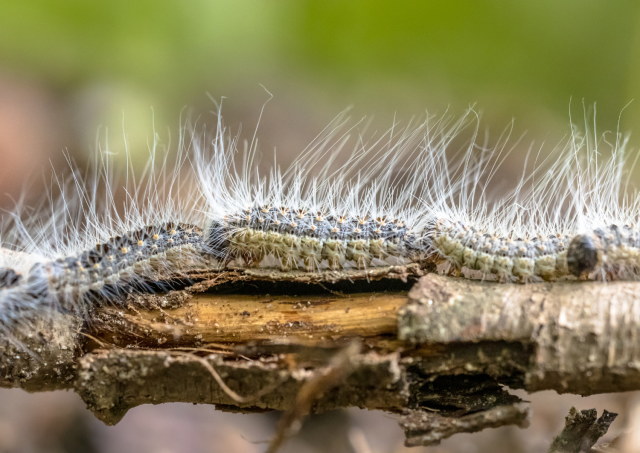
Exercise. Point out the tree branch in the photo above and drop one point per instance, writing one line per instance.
(249, 340)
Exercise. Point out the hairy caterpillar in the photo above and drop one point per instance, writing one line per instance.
(408, 199)
(91, 240)
(413, 194)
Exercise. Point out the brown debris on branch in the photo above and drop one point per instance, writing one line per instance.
(437, 353)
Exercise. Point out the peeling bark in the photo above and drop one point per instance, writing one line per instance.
(112, 382)
(582, 430)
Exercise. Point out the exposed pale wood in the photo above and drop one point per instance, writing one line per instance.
(202, 319)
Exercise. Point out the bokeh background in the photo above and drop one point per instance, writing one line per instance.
(76, 72)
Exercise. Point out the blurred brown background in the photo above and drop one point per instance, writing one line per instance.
(73, 73)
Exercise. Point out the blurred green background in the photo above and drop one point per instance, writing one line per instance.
(71, 68)
(68, 67)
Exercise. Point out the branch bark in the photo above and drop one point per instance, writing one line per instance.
(438, 351)
(581, 337)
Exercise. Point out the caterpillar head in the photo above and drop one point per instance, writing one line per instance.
(582, 254)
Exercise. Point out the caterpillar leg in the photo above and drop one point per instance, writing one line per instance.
(334, 263)
(288, 262)
(311, 264)
(454, 271)
(251, 259)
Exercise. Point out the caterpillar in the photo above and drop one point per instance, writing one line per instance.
(419, 193)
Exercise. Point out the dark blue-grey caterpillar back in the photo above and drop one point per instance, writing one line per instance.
(120, 265)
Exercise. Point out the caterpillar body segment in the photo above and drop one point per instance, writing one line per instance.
(145, 253)
(307, 240)
(507, 258)
(121, 264)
